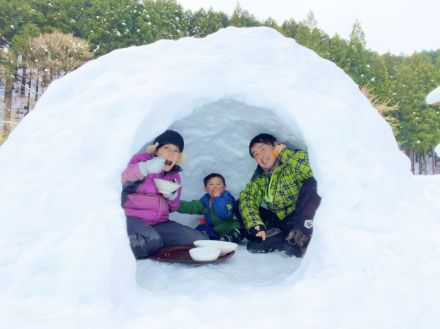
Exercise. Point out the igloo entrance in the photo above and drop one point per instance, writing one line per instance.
(217, 136)
(216, 140)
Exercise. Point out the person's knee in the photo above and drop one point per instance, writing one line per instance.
(189, 235)
(143, 246)
(308, 200)
(196, 235)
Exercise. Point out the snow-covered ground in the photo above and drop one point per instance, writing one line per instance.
(64, 257)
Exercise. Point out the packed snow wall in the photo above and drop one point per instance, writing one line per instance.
(60, 208)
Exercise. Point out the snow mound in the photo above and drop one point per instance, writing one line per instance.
(64, 253)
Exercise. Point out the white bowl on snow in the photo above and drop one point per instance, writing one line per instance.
(224, 246)
(166, 186)
(204, 254)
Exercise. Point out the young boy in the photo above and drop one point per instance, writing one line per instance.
(217, 207)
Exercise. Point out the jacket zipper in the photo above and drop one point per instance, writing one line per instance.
(269, 196)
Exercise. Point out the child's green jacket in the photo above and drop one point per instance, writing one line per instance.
(278, 189)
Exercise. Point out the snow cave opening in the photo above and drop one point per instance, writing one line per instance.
(217, 136)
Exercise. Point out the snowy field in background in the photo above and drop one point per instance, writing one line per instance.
(64, 257)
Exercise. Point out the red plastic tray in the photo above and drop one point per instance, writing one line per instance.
(180, 254)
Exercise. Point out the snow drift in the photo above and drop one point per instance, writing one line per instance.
(64, 253)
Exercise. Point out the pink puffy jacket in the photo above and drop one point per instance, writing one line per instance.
(140, 197)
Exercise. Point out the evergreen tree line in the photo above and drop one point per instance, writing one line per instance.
(47, 38)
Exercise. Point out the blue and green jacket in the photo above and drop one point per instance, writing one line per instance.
(219, 216)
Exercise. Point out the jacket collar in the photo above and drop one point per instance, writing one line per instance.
(176, 169)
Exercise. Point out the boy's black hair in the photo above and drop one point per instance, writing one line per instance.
(212, 175)
(262, 138)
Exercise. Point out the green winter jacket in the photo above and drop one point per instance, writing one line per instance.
(279, 189)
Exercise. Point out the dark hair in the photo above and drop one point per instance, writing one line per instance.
(262, 138)
(212, 175)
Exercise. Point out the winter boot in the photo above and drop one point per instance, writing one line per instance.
(233, 236)
(296, 243)
(291, 250)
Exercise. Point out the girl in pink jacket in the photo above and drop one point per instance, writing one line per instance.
(147, 210)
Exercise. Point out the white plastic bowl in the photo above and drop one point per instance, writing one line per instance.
(225, 247)
(166, 186)
(204, 254)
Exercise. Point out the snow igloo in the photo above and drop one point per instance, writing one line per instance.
(61, 166)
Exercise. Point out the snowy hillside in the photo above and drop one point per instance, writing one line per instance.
(64, 258)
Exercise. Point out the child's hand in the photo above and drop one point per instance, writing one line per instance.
(262, 235)
(154, 165)
(170, 196)
(278, 148)
(215, 192)
(258, 232)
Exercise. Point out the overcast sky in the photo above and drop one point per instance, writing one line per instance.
(396, 26)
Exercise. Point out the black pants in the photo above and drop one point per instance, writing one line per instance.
(146, 239)
(308, 202)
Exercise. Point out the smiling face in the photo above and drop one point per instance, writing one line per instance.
(264, 155)
(215, 186)
(170, 153)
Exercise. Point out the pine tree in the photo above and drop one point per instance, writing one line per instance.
(242, 18)
(202, 22)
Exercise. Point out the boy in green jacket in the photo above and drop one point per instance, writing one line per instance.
(283, 182)
(217, 207)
